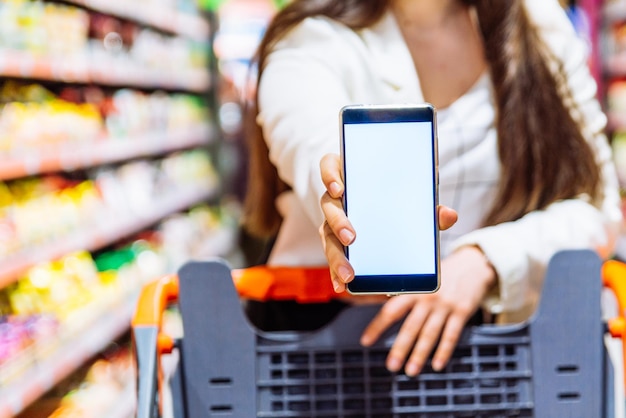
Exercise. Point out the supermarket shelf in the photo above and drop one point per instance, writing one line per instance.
(107, 231)
(184, 24)
(93, 153)
(80, 69)
(43, 375)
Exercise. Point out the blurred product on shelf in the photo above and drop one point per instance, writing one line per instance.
(129, 49)
(71, 203)
(88, 115)
(131, 113)
(616, 103)
(65, 292)
(31, 116)
(613, 49)
(102, 387)
(201, 233)
(20, 337)
(54, 303)
(109, 194)
(108, 382)
(96, 47)
(34, 26)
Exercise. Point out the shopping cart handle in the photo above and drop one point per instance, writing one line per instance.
(150, 343)
(153, 301)
(614, 278)
(302, 284)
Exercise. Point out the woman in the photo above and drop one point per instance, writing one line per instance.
(523, 160)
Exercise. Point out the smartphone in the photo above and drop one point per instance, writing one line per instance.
(390, 174)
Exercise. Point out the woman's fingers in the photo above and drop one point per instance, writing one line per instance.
(425, 327)
(391, 312)
(426, 340)
(340, 270)
(447, 217)
(330, 167)
(336, 231)
(450, 337)
(337, 220)
(407, 336)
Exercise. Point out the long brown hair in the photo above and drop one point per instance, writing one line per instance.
(543, 154)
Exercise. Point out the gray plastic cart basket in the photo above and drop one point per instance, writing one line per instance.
(553, 366)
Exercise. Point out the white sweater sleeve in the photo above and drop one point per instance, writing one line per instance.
(300, 94)
(520, 250)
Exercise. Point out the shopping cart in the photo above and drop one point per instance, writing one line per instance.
(553, 366)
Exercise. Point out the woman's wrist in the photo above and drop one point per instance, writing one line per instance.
(484, 270)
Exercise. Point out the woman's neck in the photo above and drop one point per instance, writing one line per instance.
(425, 14)
(439, 34)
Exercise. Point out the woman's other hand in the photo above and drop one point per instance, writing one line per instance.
(439, 316)
(435, 318)
(337, 230)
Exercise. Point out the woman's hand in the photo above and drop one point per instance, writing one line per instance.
(337, 230)
(429, 317)
(466, 278)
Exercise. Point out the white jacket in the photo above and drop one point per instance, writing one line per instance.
(322, 65)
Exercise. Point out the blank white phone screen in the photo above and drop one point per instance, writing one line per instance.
(390, 197)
